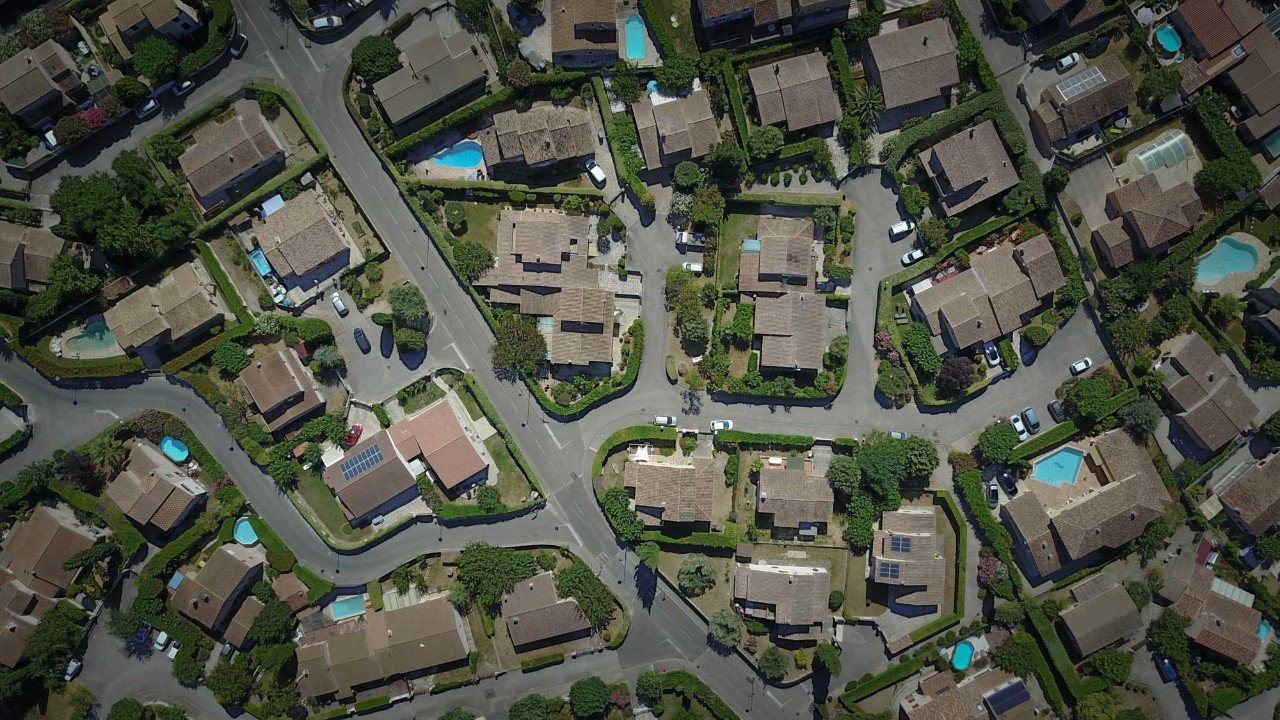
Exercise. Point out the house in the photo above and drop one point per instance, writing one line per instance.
(1011, 701)
(21, 609)
(780, 259)
(171, 312)
(26, 256)
(1212, 408)
(128, 22)
(1117, 492)
(1256, 79)
(536, 616)
(1069, 13)
(371, 479)
(582, 331)
(1252, 500)
(797, 502)
(387, 645)
(906, 555)
(304, 241)
(37, 549)
(998, 294)
(449, 452)
(791, 331)
(154, 492)
(291, 591)
(731, 23)
(939, 697)
(237, 632)
(1264, 301)
(969, 168)
(436, 73)
(1146, 219)
(675, 128)
(537, 138)
(1224, 622)
(35, 84)
(796, 92)
(584, 33)
(672, 495)
(1107, 619)
(1088, 97)
(210, 595)
(280, 389)
(793, 598)
(228, 159)
(915, 67)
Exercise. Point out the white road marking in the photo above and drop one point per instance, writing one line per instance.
(312, 59)
(775, 699)
(108, 412)
(274, 64)
(554, 439)
(575, 535)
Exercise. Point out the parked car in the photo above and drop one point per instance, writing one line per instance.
(73, 669)
(362, 341)
(182, 87)
(1168, 672)
(914, 256)
(1009, 483)
(595, 172)
(238, 45)
(693, 267)
(901, 228)
(1080, 366)
(992, 354)
(1069, 61)
(897, 435)
(664, 421)
(686, 239)
(718, 425)
(173, 650)
(327, 22)
(1057, 411)
(48, 138)
(142, 635)
(162, 641)
(353, 435)
(518, 17)
(1018, 427)
(338, 305)
(993, 495)
(147, 109)
(1033, 422)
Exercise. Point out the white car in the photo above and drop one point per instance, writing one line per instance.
(595, 172)
(664, 421)
(1080, 366)
(147, 109)
(686, 239)
(1019, 428)
(327, 22)
(913, 257)
(992, 353)
(693, 267)
(162, 641)
(901, 228)
(718, 425)
(338, 305)
(173, 650)
(1068, 62)
(182, 87)
(49, 139)
(73, 669)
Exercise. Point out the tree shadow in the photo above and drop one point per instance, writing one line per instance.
(646, 586)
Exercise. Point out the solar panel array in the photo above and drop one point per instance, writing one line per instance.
(1273, 22)
(1081, 82)
(364, 460)
(1008, 698)
(890, 570)
(900, 544)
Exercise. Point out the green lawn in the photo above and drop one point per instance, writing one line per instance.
(682, 35)
(416, 402)
(326, 511)
(473, 408)
(512, 483)
(482, 224)
(729, 254)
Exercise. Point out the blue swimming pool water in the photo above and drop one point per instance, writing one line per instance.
(1227, 257)
(1264, 630)
(962, 656)
(174, 448)
(346, 607)
(1169, 38)
(244, 532)
(466, 155)
(635, 37)
(1271, 144)
(96, 336)
(1060, 468)
(260, 263)
(751, 245)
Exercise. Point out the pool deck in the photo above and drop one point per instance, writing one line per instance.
(1054, 498)
(424, 166)
(58, 345)
(1234, 284)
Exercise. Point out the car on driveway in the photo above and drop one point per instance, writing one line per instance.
(595, 172)
(1032, 420)
(147, 109)
(353, 435)
(1167, 672)
(73, 669)
(48, 138)
(901, 228)
(993, 495)
(162, 641)
(912, 257)
(664, 421)
(338, 305)
(238, 45)
(897, 435)
(1080, 366)
(182, 87)
(1068, 61)
(327, 22)
(173, 650)
(718, 425)
(1019, 428)
(142, 635)
(518, 17)
(1009, 483)
(693, 267)
(1057, 411)
(992, 354)
(686, 239)
(362, 340)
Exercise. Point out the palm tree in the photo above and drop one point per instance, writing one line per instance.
(106, 451)
(868, 103)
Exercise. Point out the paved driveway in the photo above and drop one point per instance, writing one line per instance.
(1169, 698)
(1089, 186)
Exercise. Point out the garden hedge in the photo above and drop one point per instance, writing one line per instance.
(843, 67)
(896, 148)
(1058, 656)
(50, 365)
(742, 438)
(541, 661)
(740, 121)
(683, 682)
(814, 200)
(626, 436)
(1063, 432)
(1077, 42)
(657, 25)
(373, 703)
(16, 211)
(8, 444)
(279, 555)
(860, 689)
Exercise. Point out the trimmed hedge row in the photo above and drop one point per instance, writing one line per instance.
(541, 661)
(228, 289)
(628, 435)
(14, 440)
(980, 231)
(658, 27)
(373, 703)
(815, 200)
(763, 440)
(1058, 656)
(896, 148)
(698, 539)
(683, 682)
(1044, 675)
(843, 67)
(279, 556)
(735, 103)
(50, 365)
(861, 689)
(1065, 431)
(1076, 42)
(16, 211)
(459, 188)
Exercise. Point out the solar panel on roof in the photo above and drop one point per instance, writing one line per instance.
(890, 571)
(363, 460)
(1081, 82)
(900, 544)
(1273, 22)
(1008, 698)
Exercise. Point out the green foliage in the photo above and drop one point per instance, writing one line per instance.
(827, 658)
(893, 383)
(375, 57)
(15, 139)
(1080, 41)
(471, 259)
(130, 92)
(519, 74)
(408, 306)
(676, 74)
(588, 697)
(725, 628)
(489, 571)
(1055, 181)
(648, 553)
(1167, 637)
(845, 475)
(1111, 665)
(696, 574)
(773, 663)
(127, 709)
(1089, 397)
(231, 681)
(1234, 171)
(1010, 614)
(918, 342)
(1016, 655)
(1153, 538)
(915, 200)
(726, 162)
(230, 357)
(1037, 335)
(1097, 706)
(594, 599)
(529, 707)
(1267, 547)
(518, 346)
(764, 142)
(1141, 416)
(996, 443)
(156, 58)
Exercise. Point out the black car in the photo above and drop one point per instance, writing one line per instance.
(141, 637)
(238, 45)
(1055, 409)
(362, 341)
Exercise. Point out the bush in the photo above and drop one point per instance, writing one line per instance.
(997, 442)
(1037, 335)
(375, 57)
(71, 129)
(230, 357)
(696, 575)
(835, 600)
(725, 628)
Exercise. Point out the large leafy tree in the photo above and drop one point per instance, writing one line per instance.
(884, 467)
(87, 203)
(727, 162)
(997, 442)
(650, 686)
(845, 475)
(1089, 397)
(773, 663)
(956, 374)
(725, 628)
(696, 574)
(489, 571)
(649, 554)
(1111, 665)
(1167, 635)
(274, 625)
(588, 697)
(676, 74)
(156, 58)
(827, 657)
(1153, 538)
(135, 179)
(1141, 416)
(127, 709)
(471, 259)
(518, 346)
(231, 681)
(15, 140)
(529, 707)
(130, 92)
(408, 306)
(1016, 655)
(50, 647)
(764, 141)
(922, 457)
(375, 57)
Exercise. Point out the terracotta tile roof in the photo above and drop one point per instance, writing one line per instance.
(291, 590)
(1217, 24)
(762, 11)
(434, 69)
(237, 632)
(583, 25)
(157, 13)
(1257, 77)
(1048, 123)
(969, 167)
(168, 311)
(1006, 284)
(33, 78)
(436, 435)
(20, 612)
(12, 275)
(940, 698)
(28, 254)
(794, 497)
(301, 237)
(583, 330)
(369, 488)
(675, 493)
(791, 327)
(784, 594)
(280, 388)
(1270, 193)
(1165, 216)
(544, 134)
(1115, 93)
(152, 490)
(1116, 242)
(786, 253)
(675, 130)
(38, 547)
(206, 596)
(1218, 622)
(535, 614)
(1255, 497)
(915, 63)
(222, 152)
(905, 553)
(541, 249)
(1040, 262)
(1102, 620)
(796, 91)
(1213, 408)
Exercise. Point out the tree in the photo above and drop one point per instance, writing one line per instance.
(865, 25)
(265, 324)
(867, 104)
(997, 442)
(1223, 176)
(230, 357)
(36, 27)
(617, 508)
(87, 203)
(773, 663)
(1037, 335)
(764, 142)
(71, 129)
(489, 571)
(519, 74)
(274, 625)
(1267, 547)
(329, 357)
(588, 697)
(1159, 83)
(1055, 181)
(649, 686)
(80, 701)
(489, 499)
(696, 574)
(409, 340)
(1226, 308)
(471, 259)
(688, 176)
(1111, 665)
(1167, 635)
(135, 179)
(375, 57)
(459, 596)
(408, 306)
(127, 709)
(130, 92)
(1153, 538)
(727, 162)
(860, 521)
(1130, 334)
(156, 59)
(50, 647)
(884, 467)
(15, 140)
(80, 471)
(933, 234)
(648, 553)
(956, 374)
(695, 331)
(1016, 655)
(835, 600)
(893, 383)
(844, 474)
(1098, 706)
(459, 714)
(518, 346)
(625, 84)
(1141, 416)
(166, 149)
(915, 200)
(529, 707)
(1090, 397)
(1010, 614)
(922, 457)
(725, 628)
(676, 74)
(827, 658)
(231, 681)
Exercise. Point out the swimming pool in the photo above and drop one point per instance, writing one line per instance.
(259, 261)
(1169, 38)
(1271, 144)
(349, 606)
(95, 336)
(635, 37)
(1060, 468)
(1264, 630)
(962, 655)
(465, 155)
(1227, 257)
(244, 533)
(174, 448)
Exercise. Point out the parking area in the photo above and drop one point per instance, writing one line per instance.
(378, 374)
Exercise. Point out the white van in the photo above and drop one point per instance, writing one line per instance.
(595, 172)
(338, 305)
(693, 267)
(901, 228)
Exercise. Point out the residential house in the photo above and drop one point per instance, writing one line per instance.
(793, 598)
(1011, 701)
(237, 632)
(405, 642)
(796, 92)
(536, 616)
(304, 241)
(228, 159)
(1067, 13)
(1079, 102)
(672, 496)
(129, 22)
(1264, 301)
(154, 492)
(675, 128)
(210, 595)
(797, 502)
(939, 697)
(36, 84)
(731, 23)
(1119, 493)
(26, 256)
(780, 259)
(371, 479)
(37, 549)
(538, 138)
(1252, 500)
(907, 556)
(791, 331)
(584, 33)
(999, 293)
(280, 389)
(1224, 622)
(915, 66)
(1212, 408)
(449, 452)
(1107, 619)
(21, 610)
(291, 591)
(171, 312)
(436, 74)
(969, 168)
(1146, 219)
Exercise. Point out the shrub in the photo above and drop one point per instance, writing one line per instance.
(375, 57)
(1037, 335)
(773, 663)
(156, 58)
(725, 628)
(835, 600)
(71, 129)
(230, 357)
(997, 442)
(696, 574)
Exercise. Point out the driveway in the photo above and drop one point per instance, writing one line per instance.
(1089, 186)
(1169, 698)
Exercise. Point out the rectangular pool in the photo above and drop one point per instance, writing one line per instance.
(260, 263)
(1059, 468)
(349, 606)
(1271, 144)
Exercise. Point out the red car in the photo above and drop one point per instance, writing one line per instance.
(353, 435)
